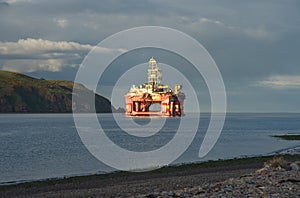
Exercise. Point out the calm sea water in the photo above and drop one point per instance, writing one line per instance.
(41, 146)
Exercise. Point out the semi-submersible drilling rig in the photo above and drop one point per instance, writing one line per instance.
(140, 98)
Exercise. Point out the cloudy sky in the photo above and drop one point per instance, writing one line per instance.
(256, 44)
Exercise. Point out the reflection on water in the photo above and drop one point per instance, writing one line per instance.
(39, 146)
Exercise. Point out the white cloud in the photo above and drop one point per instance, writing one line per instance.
(200, 22)
(200, 25)
(61, 22)
(31, 65)
(18, 1)
(258, 32)
(281, 82)
(37, 46)
(28, 55)
(206, 20)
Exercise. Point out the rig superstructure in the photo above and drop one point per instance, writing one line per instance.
(140, 98)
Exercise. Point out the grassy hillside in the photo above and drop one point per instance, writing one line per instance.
(21, 93)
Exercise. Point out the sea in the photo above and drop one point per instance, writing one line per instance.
(42, 146)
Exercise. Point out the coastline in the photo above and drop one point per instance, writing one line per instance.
(130, 183)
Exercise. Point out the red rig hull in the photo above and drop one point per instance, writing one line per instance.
(139, 99)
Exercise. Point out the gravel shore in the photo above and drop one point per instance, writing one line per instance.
(275, 182)
(229, 180)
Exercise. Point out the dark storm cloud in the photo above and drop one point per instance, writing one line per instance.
(103, 6)
(84, 21)
(3, 4)
(254, 43)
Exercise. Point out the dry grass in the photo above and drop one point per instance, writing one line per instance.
(277, 162)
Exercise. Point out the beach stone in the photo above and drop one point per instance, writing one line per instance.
(265, 182)
(171, 194)
(164, 193)
(177, 193)
(217, 187)
(227, 189)
(262, 171)
(294, 167)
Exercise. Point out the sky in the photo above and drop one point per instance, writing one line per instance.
(255, 44)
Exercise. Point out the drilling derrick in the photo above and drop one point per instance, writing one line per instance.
(154, 73)
(139, 99)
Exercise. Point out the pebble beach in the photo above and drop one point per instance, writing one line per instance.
(236, 178)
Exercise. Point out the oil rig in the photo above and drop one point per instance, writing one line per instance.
(140, 98)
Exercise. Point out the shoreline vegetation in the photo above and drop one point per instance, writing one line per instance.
(24, 94)
(288, 137)
(165, 179)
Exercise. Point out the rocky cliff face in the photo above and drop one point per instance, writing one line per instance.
(23, 94)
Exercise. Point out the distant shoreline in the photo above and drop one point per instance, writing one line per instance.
(228, 113)
(288, 136)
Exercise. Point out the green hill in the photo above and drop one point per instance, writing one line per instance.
(23, 94)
